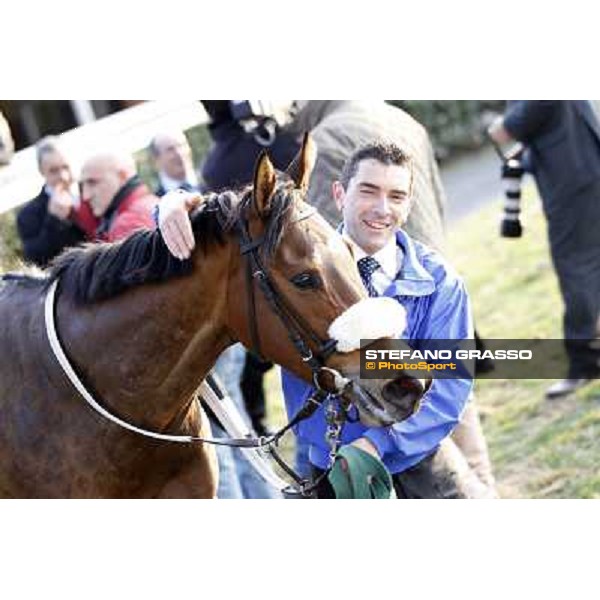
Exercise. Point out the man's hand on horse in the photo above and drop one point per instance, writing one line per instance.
(174, 223)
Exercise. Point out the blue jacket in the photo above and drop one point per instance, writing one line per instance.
(437, 307)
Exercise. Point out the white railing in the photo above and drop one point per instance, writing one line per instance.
(130, 129)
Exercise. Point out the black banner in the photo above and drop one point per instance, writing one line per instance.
(452, 359)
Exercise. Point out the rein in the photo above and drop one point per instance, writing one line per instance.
(67, 367)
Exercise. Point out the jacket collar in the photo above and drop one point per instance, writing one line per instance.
(113, 209)
(413, 279)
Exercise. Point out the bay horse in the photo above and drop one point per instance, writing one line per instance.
(142, 329)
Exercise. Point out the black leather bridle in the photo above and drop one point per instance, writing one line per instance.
(299, 332)
(297, 329)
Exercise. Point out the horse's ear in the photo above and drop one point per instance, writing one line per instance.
(301, 167)
(265, 181)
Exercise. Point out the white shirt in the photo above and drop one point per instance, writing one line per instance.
(170, 184)
(390, 259)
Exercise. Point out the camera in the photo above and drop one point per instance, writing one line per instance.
(257, 117)
(512, 179)
(260, 119)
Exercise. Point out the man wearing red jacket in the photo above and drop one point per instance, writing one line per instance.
(116, 195)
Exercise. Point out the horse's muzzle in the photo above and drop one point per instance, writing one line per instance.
(382, 403)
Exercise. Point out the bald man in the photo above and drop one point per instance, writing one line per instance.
(172, 156)
(115, 193)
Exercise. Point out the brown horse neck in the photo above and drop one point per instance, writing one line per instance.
(144, 353)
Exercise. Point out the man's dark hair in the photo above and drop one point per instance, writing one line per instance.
(387, 153)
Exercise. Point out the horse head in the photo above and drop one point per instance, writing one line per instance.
(304, 305)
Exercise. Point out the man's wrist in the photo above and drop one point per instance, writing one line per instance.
(365, 444)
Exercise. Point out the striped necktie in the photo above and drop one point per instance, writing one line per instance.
(366, 267)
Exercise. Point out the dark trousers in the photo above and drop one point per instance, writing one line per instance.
(253, 391)
(575, 248)
(430, 479)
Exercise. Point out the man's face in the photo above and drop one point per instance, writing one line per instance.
(375, 204)
(56, 170)
(174, 156)
(100, 183)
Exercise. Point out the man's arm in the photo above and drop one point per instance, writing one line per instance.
(449, 317)
(174, 222)
(523, 120)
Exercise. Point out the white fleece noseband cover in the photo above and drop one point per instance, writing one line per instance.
(369, 319)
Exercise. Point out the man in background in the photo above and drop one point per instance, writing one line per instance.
(55, 219)
(116, 195)
(562, 151)
(172, 156)
(340, 128)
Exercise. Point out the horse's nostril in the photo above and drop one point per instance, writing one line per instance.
(401, 387)
(403, 393)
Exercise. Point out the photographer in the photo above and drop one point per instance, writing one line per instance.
(562, 151)
(240, 130)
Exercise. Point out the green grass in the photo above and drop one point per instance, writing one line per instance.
(539, 448)
(10, 246)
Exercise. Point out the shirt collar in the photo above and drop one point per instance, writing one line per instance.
(169, 184)
(413, 279)
(388, 258)
(113, 208)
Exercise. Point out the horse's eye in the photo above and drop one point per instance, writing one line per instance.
(307, 281)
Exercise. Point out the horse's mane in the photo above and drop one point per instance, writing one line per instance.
(94, 272)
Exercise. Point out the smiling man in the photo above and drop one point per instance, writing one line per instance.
(374, 195)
